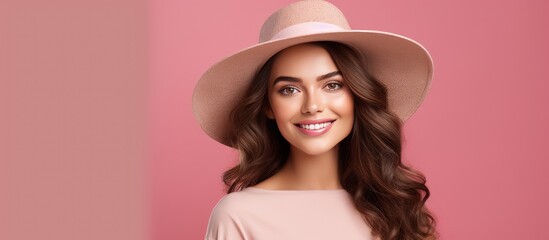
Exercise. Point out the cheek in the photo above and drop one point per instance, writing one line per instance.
(283, 108)
(282, 115)
(344, 105)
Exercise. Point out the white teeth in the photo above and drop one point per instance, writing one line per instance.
(315, 126)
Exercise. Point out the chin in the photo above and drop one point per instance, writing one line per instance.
(315, 149)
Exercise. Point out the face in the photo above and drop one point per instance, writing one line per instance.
(309, 100)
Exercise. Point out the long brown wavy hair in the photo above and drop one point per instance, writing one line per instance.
(390, 195)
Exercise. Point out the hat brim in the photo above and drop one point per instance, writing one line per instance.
(401, 64)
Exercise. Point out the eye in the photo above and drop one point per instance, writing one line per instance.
(288, 91)
(333, 86)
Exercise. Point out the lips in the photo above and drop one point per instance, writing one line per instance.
(314, 127)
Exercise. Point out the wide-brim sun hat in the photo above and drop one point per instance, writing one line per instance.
(400, 63)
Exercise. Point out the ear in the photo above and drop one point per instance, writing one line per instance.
(269, 112)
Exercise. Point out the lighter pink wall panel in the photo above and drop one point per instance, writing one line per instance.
(480, 137)
(72, 120)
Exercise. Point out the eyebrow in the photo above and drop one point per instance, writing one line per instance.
(294, 79)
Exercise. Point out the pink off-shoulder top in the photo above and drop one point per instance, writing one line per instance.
(262, 214)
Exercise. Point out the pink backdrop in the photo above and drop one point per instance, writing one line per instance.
(480, 137)
(73, 97)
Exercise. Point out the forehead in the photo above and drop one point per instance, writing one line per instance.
(303, 61)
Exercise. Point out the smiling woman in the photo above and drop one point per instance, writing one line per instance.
(318, 131)
(313, 108)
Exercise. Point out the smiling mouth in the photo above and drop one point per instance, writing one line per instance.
(315, 129)
(316, 126)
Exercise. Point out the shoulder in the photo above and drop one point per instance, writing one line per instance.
(225, 221)
(232, 203)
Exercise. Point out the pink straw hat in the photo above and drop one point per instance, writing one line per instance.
(402, 64)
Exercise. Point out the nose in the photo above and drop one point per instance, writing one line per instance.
(313, 103)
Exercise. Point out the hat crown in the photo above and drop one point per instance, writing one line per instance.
(302, 12)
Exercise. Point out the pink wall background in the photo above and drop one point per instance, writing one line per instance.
(480, 137)
(98, 141)
(73, 87)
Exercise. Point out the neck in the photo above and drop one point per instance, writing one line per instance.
(304, 171)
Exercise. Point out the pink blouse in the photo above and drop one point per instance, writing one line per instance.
(262, 214)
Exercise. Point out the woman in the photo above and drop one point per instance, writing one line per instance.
(315, 110)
